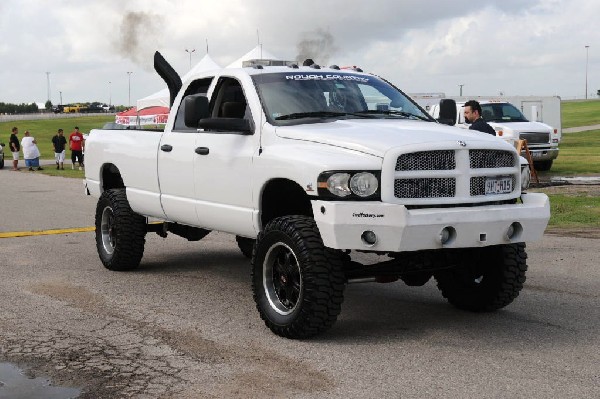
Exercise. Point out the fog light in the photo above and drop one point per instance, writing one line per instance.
(447, 235)
(369, 237)
(514, 231)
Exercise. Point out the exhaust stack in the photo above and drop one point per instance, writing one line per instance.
(169, 75)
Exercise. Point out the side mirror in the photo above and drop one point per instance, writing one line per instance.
(448, 112)
(226, 125)
(196, 108)
(2, 144)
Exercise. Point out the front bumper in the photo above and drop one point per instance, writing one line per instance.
(547, 154)
(397, 228)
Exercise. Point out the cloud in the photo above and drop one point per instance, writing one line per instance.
(518, 46)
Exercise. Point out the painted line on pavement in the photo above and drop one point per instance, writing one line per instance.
(15, 234)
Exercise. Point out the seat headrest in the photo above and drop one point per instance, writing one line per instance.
(231, 109)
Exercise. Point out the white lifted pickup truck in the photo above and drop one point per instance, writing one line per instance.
(307, 165)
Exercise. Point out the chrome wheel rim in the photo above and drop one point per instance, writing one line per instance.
(107, 230)
(282, 279)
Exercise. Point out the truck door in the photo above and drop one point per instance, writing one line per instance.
(176, 159)
(223, 165)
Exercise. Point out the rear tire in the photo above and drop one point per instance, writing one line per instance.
(298, 283)
(246, 245)
(2, 163)
(483, 279)
(120, 232)
(543, 166)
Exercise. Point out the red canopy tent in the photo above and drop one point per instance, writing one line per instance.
(146, 116)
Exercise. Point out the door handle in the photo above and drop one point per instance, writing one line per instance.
(201, 150)
(166, 147)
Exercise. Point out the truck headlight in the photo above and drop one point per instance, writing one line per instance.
(350, 185)
(364, 184)
(337, 184)
(525, 177)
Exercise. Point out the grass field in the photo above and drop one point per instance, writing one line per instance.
(580, 113)
(580, 209)
(44, 129)
(579, 155)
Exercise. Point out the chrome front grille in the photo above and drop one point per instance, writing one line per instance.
(451, 176)
(425, 188)
(535, 137)
(481, 159)
(427, 160)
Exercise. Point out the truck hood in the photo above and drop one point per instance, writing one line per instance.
(523, 126)
(376, 137)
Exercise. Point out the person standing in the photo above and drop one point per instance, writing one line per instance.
(15, 147)
(76, 144)
(31, 152)
(59, 142)
(473, 116)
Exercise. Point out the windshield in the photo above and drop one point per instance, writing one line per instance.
(309, 97)
(501, 112)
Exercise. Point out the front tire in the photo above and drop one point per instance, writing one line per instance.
(120, 232)
(298, 283)
(483, 279)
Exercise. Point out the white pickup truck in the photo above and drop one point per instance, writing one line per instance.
(510, 124)
(306, 170)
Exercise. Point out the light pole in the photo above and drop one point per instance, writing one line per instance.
(129, 98)
(48, 81)
(587, 52)
(60, 93)
(109, 94)
(190, 53)
(461, 86)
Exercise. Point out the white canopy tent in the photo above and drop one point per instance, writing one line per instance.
(257, 53)
(162, 98)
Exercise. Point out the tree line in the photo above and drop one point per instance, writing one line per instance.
(7, 108)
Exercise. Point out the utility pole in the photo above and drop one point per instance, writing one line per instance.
(461, 86)
(129, 98)
(48, 81)
(587, 52)
(190, 53)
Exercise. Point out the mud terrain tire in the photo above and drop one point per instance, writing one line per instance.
(246, 245)
(298, 283)
(120, 232)
(483, 279)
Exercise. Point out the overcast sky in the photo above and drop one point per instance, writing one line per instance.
(517, 47)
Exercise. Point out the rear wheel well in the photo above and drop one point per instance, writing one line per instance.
(283, 197)
(111, 177)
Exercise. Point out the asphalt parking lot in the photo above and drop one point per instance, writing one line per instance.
(185, 325)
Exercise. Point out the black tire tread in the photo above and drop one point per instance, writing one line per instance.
(130, 229)
(246, 245)
(507, 279)
(324, 279)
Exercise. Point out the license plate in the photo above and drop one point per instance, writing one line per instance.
(498, 185)
(537, 154)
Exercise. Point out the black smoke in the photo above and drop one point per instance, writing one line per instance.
(318, 45)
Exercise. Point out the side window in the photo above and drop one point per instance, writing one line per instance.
(229, 100)
(199, 86)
